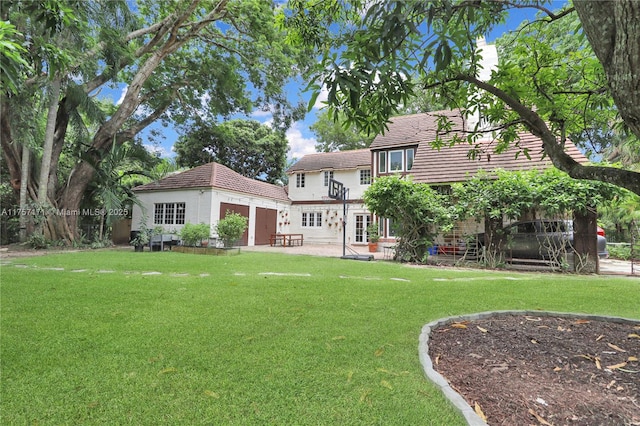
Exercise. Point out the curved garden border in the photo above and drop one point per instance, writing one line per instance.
(456, 399)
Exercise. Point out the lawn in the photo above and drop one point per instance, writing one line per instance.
(113, 337)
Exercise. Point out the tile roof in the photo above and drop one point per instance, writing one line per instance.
(453, 164)
(339, 160)
(414, 129)
(214, 175)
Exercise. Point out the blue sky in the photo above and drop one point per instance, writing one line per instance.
(301, 139)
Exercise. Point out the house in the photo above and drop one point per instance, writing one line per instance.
(204, 194)
(313, 212)
(406, 149)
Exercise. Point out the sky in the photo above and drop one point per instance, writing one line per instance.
(300, 137)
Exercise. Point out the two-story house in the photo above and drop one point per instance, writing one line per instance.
(313, 212)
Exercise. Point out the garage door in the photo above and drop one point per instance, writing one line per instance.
(241, 210)
(265, 225)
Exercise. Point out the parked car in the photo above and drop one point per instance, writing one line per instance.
(540, 239)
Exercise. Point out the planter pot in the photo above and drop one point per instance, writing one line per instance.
(373, 247)
(139, 248)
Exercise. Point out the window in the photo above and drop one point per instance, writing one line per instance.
(169, 213)
(382, 162)
(312, 219)
(327, 177)
(362, 221)
(410, 155)
(399, 160)
(299, 180)
(396, 161)
(391, 228)
(365, 177)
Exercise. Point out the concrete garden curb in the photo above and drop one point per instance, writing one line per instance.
(454, 397)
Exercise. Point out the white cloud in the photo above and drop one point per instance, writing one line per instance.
(321, 100)
(122, 95)
(298, 144)
(160, 150)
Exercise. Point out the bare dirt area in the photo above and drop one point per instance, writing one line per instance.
(543, 370)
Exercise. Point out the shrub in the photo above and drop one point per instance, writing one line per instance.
(231, 228)
(193, 234)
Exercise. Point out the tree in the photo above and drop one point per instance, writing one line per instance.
(376, 55)
(252, 149)
(333, 135)
(417, 211)
(177, 60)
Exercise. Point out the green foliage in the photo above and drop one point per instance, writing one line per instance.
(254, 150)
(375, 57)
(373, 232)
(11, 54)
(216, 58)
(192, 234)
(37, 241)
(513, 194)
(620, 216)
(335, 135)
(418, 212)
(231, 227)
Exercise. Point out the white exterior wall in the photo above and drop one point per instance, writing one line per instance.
(314, 189)
(203, 206)
(197, 207)
(330, 232)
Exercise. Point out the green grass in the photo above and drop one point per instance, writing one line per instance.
(247, 339)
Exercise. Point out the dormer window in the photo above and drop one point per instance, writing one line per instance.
(300, 180)
(398, 160)
(382, 162)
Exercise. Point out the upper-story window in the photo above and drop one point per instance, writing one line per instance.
(399, 160)
(327, 177)
(299, 180)
(396, 161)
(382, 162)
(365, 177)
(410, 154)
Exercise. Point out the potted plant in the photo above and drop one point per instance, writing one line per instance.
(140, 238)
(373, 232)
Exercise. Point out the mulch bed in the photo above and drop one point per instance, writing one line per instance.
(542, 370)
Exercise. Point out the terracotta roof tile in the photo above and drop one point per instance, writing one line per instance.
(453, 164)
(214, 175)
(339, 160)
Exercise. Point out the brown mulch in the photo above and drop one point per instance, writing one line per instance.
(542, 370)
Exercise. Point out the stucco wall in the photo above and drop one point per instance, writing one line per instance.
(314, 188)
(202, 206)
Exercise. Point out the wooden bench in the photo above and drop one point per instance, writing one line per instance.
(286, 240)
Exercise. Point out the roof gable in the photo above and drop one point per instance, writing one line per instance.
(214, 175)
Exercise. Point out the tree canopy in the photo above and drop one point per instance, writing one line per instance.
(174, 61)
(252, 149)
(334, 135)
(376, 55)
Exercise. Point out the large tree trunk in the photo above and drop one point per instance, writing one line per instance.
(45, 168)
(613, 30)
(24, 179)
